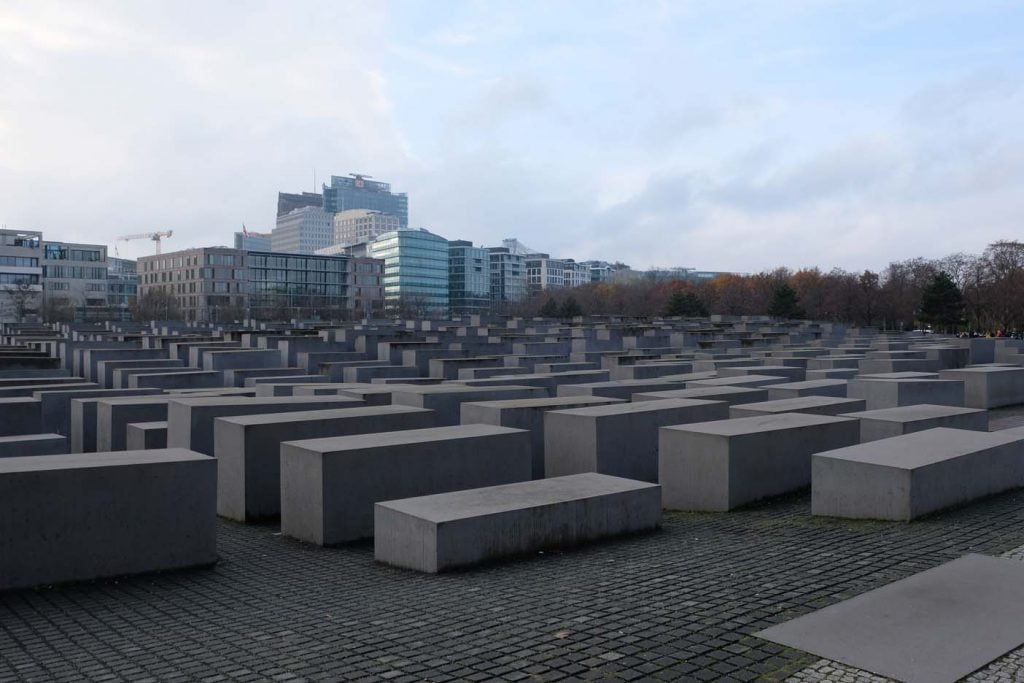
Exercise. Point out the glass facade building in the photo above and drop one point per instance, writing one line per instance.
(469, 278)
(415, 272)
(287, 285)
(357, 192)
(508, 275)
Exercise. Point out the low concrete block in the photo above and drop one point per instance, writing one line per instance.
(989, 386)
(893, 393)
(731, 395)
(905, 477)
(814, 387)
(33, 444)
(446, 399)
(620, 439)
(719, 466)
(329, 486)
(80, 517)
(20, 416)
(452, 530)
(248, 449)
(889, 422)
(809, 405)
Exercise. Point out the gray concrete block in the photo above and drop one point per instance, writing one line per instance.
(889, 422)
(814, 387)
(80, 517)
(33, 444)
(329, 486)
(731, 395)
(248, 449)
(113, 415)
(194, 379)
(620, 389)
(447, 531)
(893, 393)
(20, 415)
(905, 477)
(144, 436)
(527, 414)
(190, 420)
(809, 405)
(719, 466)
(989, 386)
(620, 439)
(446, 399)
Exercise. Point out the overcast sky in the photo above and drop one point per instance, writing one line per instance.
(717, 134)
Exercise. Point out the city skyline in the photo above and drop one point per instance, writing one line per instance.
(838, 136)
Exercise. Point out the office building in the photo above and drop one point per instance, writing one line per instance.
(286, 202)
(469, 278)
(415, 272)
(366, 287)
(362, 225)
(254, 241)
(359, 192)
(21, 274)
(544, 272)
(576, 274)
(222, 284)
(508, 276)
(303, 231)
(122, 287)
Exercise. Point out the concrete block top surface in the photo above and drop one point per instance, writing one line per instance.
(759, 424)
(78, 461)
(355, 442)
(921, 411)
(198, 401)
(21, 438)
(920, 449)
(447, 507)
(736, 381)
(699, 392)
(809, 384)
(552, 402)
(637, 407)
(355, 412)
(981, 370)
(901, 376)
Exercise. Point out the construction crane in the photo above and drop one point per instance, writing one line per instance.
(155, 236)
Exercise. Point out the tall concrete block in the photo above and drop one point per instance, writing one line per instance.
(989, 386)
(527, 414)
(248, 449)
(190, 420)
(20, 416)
(329, 486)
(446, 399)
(620, 439)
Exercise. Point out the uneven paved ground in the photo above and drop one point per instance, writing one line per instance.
(675, 604)
(678, 604)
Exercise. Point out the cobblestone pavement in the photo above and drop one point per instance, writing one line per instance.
(677, 604)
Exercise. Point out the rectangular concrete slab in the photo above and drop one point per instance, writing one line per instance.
(811, 405)
(934, 627)
(440, 532)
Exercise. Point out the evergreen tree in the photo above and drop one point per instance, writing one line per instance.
(785, 303)
(686, 305)
(550, 309)
(570, 308)
(942, 303)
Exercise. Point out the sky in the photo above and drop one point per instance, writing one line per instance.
(714, 134)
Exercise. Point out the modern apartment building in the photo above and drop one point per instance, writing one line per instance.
(469, 278)
(122, 286)
(415, 272)
(303, 231)
(508, 276)
(544, 272)
(362, 225)
(359, 192)
(21, 274)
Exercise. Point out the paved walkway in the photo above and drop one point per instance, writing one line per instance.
(677, 604)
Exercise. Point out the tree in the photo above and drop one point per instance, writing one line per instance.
(22, 295)
(784, 302)
(570, 308)
(57, 310)
(942, 304)
(549, 309)
(156, 304)
(685, 304)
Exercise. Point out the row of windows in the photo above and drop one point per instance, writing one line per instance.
(19, 261)
(18, 278)
(75, 272)
(60, 252)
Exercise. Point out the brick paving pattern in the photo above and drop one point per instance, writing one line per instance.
(677, 604)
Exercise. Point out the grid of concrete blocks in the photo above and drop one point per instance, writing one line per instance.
(461, 442)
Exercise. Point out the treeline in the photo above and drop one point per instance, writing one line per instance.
(980, 293)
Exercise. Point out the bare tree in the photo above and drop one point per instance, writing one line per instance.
(22, 295)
